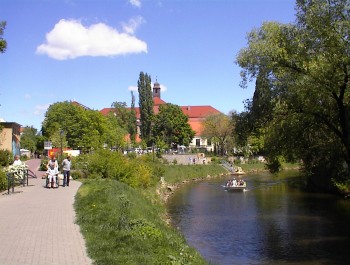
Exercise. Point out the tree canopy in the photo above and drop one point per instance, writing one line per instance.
(219, 128)
(30, 138)
(302, 72)
(82, 129)
(171, 126)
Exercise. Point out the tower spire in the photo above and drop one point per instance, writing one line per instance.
(156, 89)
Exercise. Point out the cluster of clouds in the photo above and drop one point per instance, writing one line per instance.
(70, 39)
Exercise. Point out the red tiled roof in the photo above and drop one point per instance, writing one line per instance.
(199, 111)
(158, 101)
(195, 114)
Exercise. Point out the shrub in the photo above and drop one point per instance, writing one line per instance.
(77, 174)
(3, 180)
(136, 172)
(5, 158)
(43, 164)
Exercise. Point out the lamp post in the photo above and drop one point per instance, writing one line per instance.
(61, 138)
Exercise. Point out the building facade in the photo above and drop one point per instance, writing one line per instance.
(196, 115)
(10, 137)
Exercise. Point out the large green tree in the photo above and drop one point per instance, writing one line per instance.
(171, 126)
(146, 106)
(122, 113)
(29, 138)
(82, 129)
(305, 66)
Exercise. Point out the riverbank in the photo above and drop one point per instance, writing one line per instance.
(129, 225)
(174, 177)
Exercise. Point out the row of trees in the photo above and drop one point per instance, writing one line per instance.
(85, 129)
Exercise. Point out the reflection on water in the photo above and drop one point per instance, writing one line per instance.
(274, 222)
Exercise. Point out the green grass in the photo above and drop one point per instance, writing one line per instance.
(177, 173)
(259, 167)
(123, 226)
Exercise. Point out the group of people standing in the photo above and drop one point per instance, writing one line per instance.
(52, 171)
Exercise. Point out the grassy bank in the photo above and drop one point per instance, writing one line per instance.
(260, 167)
(175, 174)
(124, 225)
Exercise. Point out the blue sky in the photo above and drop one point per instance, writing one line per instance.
(92, 51)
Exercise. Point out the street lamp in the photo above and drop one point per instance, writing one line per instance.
(61, 138)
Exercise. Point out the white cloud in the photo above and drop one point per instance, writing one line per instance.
(70, 39)
(163, 88)
(133, 88)
(40, 109)
(133, 24)
(136, 3)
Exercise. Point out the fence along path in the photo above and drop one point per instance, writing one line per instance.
(37, 225)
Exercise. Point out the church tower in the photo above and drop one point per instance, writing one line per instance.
(156, 90)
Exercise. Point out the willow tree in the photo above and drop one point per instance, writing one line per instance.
(145, 105)
(307, 67)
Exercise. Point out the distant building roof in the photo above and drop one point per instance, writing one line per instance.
(195, 114)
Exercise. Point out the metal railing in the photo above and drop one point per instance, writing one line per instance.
(22, 179)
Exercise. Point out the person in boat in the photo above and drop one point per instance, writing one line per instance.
(234, 183)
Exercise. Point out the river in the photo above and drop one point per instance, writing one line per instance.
(273, 222)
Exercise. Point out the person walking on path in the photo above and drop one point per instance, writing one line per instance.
(66, 163)
(25, 238)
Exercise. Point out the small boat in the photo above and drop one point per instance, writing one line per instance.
(235, 185)
(238, 171)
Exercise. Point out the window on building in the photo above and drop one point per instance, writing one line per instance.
(198, 142)
(209, 142)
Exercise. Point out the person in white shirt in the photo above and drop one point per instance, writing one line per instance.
(17, 161)
(52, 173)
(52, 161)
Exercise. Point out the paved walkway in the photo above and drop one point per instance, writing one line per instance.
(37, 225)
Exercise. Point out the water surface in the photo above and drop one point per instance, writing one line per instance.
(274, 222)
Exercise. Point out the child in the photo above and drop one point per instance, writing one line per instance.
(52, 173)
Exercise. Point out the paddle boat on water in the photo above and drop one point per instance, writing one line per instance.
(235, 185)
